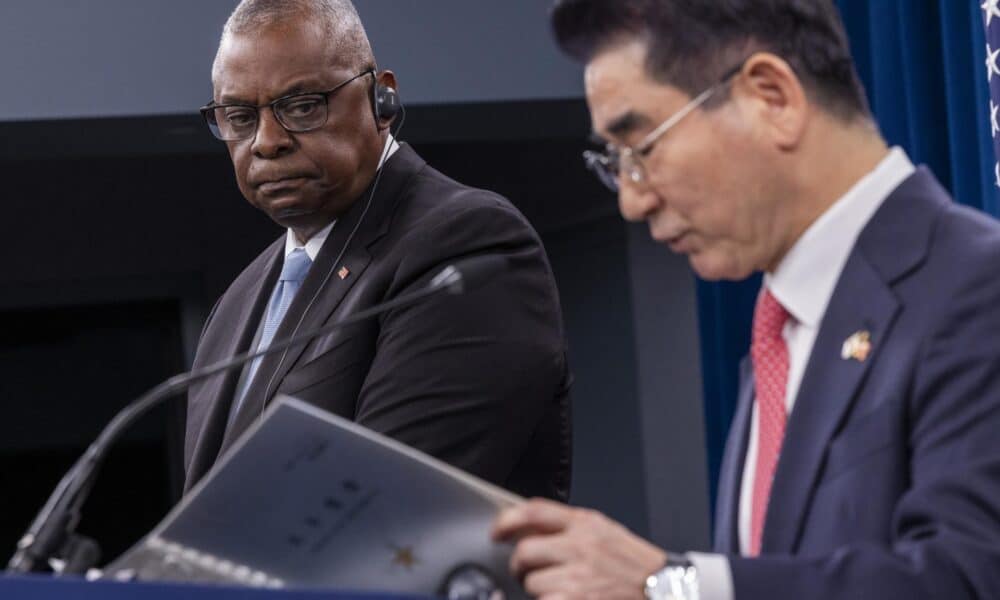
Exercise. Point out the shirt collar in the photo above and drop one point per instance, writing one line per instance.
(804, 280)
(390, 148)
(314, 244)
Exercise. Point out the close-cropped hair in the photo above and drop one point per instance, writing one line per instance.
(338, 18)
(692, 43)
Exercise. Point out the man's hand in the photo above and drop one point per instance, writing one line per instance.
(564, 553)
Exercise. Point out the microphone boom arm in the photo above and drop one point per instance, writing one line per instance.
(55, 523)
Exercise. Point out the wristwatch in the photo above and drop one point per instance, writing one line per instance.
(677, 580)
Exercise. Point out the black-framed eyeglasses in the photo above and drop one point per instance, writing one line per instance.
(296, 113)
(626, 161)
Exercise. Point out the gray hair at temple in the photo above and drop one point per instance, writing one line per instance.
(339, 18)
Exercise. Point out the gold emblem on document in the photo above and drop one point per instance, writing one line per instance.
(404, 556)
(343, 272)
(858, 346)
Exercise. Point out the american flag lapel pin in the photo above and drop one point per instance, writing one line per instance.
(858, 346)
(343, 272)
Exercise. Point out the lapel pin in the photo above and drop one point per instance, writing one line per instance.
(343, 272)
(858, 346)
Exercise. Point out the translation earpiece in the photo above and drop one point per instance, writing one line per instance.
(387, 105)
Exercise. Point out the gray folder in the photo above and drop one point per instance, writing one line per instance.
(308, 499)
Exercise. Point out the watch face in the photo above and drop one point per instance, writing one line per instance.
(471, 582)
(657, 586)
(672, 583)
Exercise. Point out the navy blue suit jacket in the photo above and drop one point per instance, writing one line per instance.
(888, 484)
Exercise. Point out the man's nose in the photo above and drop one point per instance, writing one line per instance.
(271, 138)
(635, 202)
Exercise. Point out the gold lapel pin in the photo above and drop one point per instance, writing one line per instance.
(343, 272)
(858, 346)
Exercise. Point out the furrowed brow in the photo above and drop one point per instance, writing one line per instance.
(620, 127)
(306, 86)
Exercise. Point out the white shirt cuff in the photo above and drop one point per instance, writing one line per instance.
(715, 578)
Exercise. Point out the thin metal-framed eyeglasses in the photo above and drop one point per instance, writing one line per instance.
(626, 161)
(296, 113)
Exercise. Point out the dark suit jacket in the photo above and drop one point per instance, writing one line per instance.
(479, 380)
(888, 484)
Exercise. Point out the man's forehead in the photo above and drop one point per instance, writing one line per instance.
(616, 86)
(621, 95)
(274, 46)
(270, 63)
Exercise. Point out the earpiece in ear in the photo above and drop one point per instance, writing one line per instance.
(387, 104)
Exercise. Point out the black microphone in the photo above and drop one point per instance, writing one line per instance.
(470, 273)
(51, 535)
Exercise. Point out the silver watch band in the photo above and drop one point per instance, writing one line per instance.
(678, 580)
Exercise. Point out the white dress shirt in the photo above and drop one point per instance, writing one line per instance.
(803, 283)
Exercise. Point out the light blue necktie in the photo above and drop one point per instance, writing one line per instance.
(293, 272)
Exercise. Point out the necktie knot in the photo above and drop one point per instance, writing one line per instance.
(769, 317)
(296, 266)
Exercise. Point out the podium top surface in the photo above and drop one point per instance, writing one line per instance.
(46, 588)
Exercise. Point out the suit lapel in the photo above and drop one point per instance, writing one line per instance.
(324, 288)
(320, 294)
(893, 243)
(861, 302)
(731, 473)
(216, 394)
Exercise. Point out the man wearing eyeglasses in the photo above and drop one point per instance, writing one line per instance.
(864, 457)
(480, 379)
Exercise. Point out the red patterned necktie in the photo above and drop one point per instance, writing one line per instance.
(769, 354)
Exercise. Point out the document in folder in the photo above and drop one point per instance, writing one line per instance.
(306, 498)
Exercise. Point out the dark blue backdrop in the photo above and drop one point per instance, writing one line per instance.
(923, 63)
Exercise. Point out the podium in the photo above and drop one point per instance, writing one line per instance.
(48, 588)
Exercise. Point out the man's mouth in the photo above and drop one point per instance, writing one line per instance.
(677, 242)
(275, 186)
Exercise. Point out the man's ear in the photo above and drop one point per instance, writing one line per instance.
(773, 95)
(386, 99)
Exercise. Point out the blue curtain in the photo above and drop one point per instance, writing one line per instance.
(923, 63)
